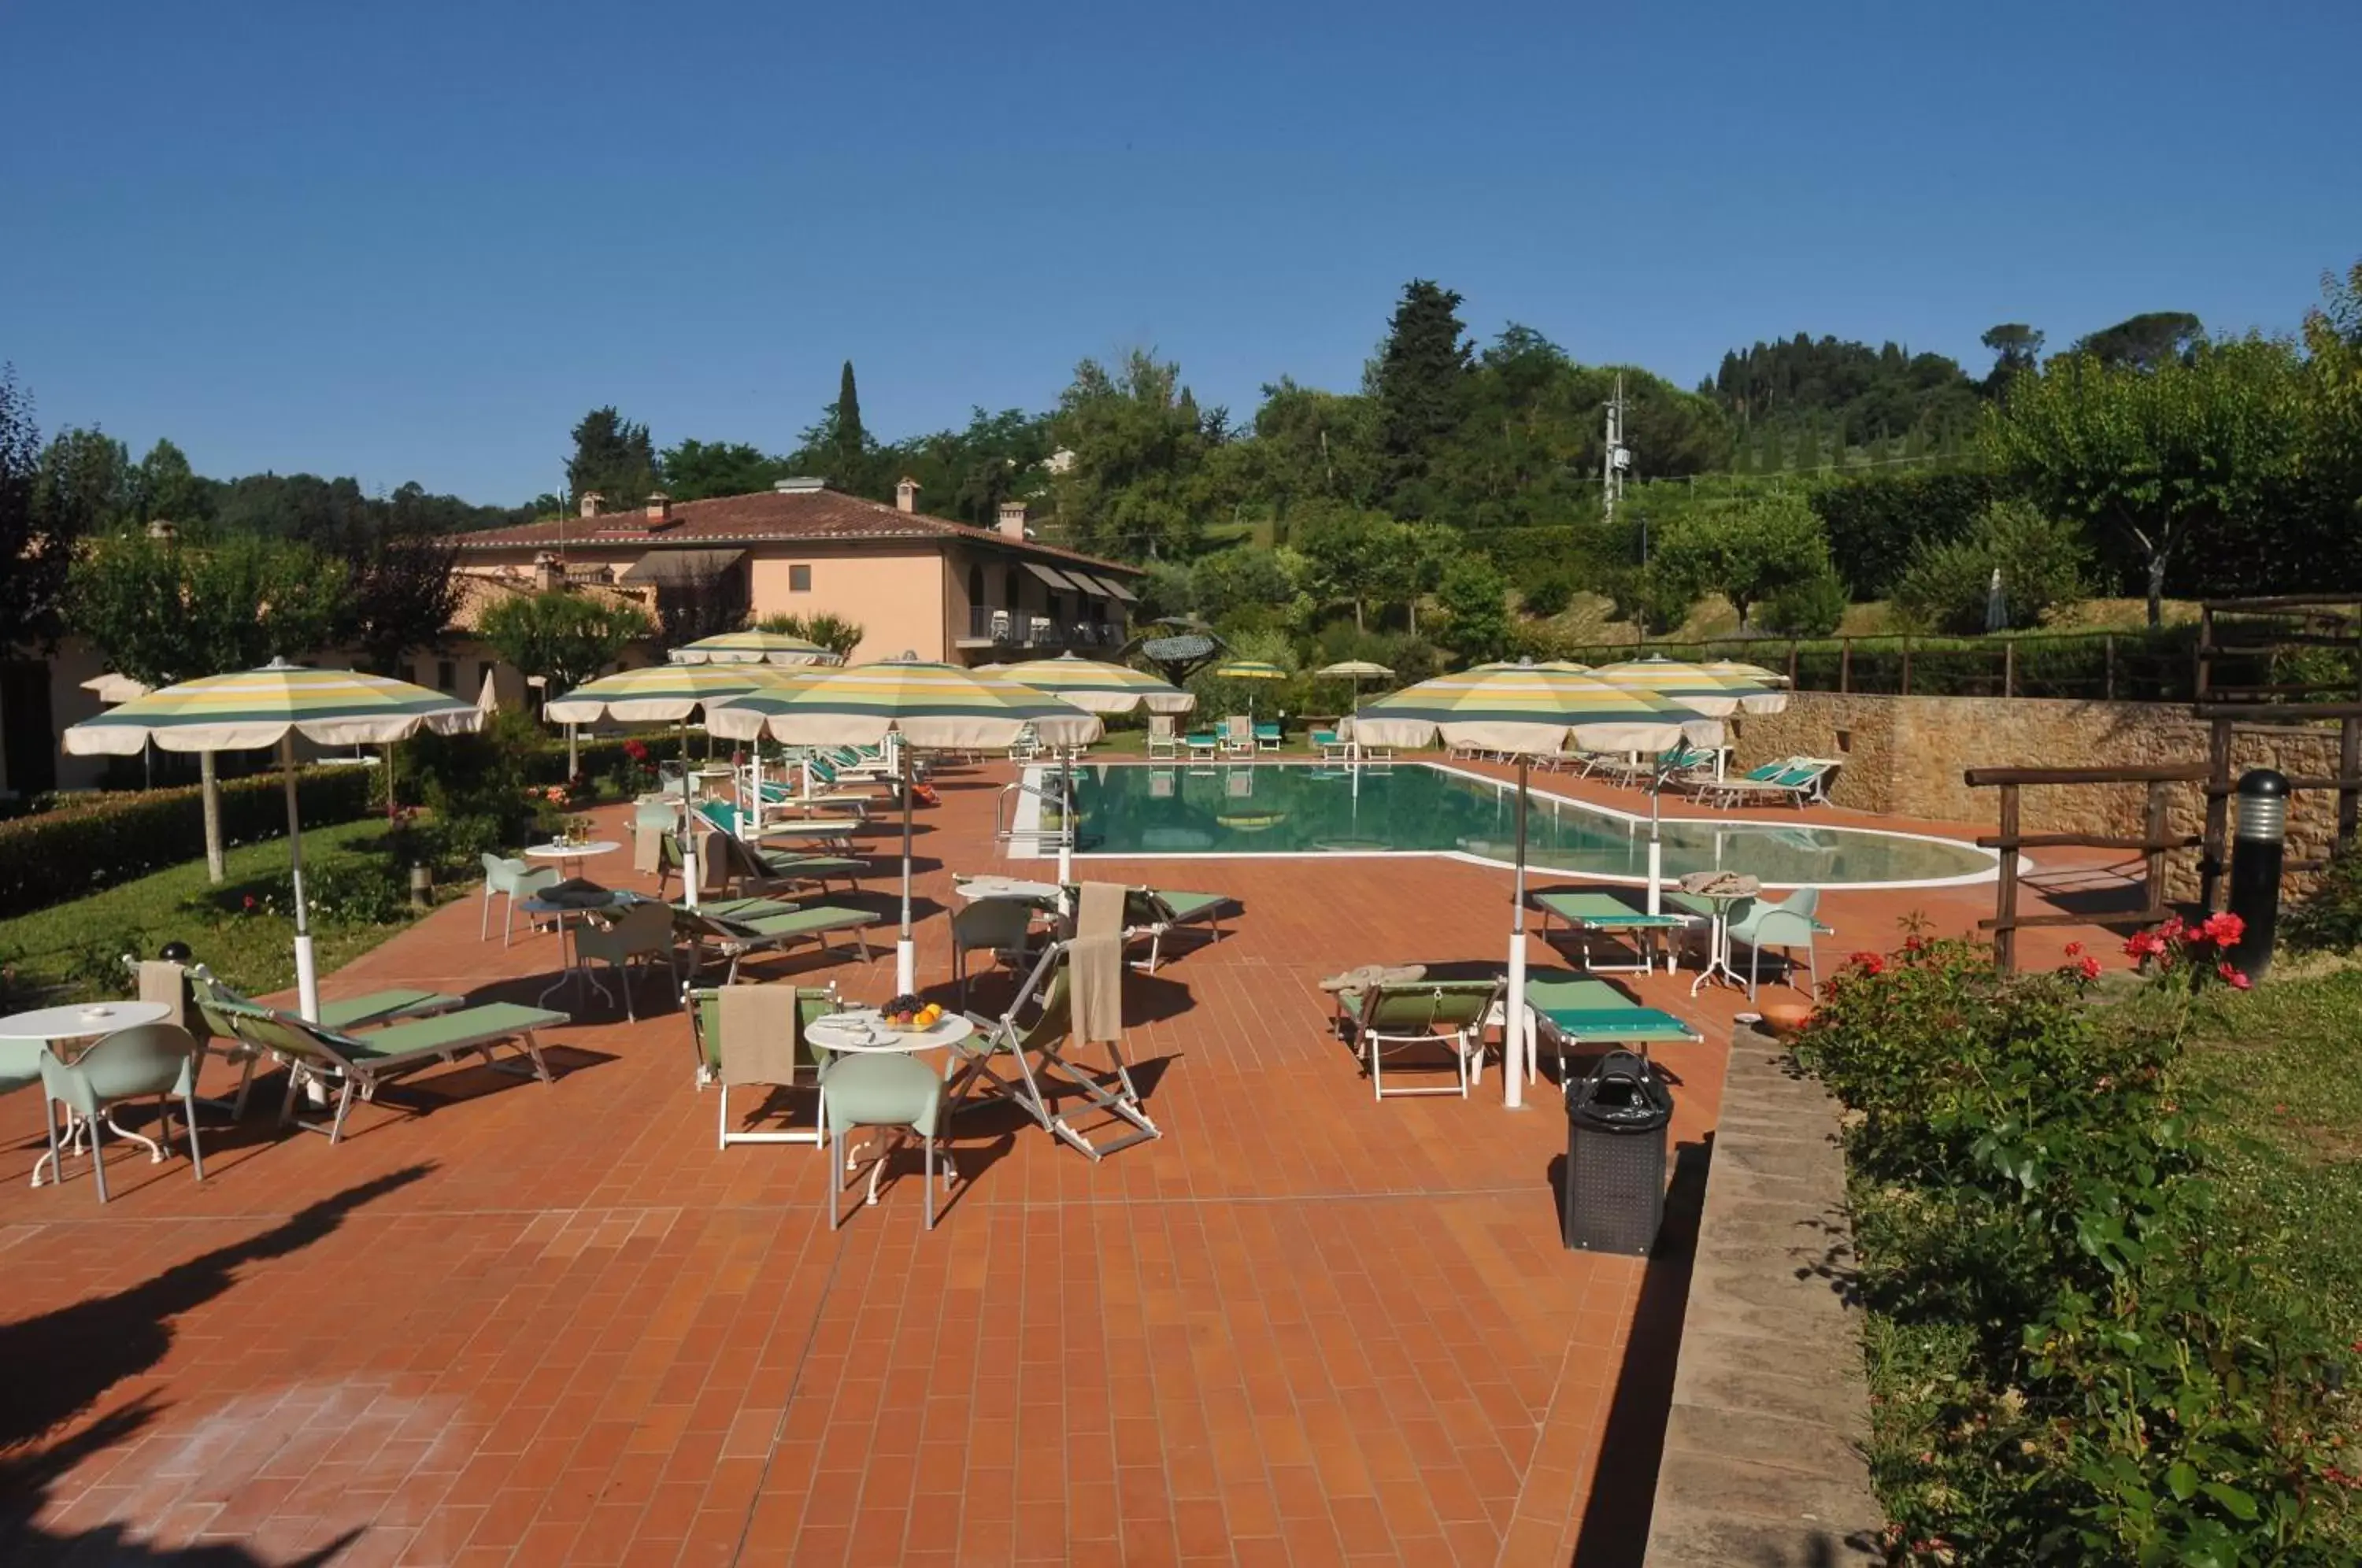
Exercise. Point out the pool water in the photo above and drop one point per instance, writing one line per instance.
(1291, 809)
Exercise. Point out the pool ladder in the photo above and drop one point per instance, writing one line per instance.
(1043, 840)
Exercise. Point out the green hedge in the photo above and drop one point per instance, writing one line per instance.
(99, 841)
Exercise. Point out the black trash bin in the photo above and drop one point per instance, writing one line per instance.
(1615, 1125)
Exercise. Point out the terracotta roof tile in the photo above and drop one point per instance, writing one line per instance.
(767, 515)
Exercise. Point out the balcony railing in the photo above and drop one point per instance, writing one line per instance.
(1016, 629)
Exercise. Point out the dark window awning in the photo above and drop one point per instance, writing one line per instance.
(668, 568)
(1115, 589)
(1062, 584)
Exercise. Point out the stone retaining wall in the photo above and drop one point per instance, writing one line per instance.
(1904, 756)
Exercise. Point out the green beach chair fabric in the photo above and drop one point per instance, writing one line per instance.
(1572, 1009)
(358, 1064)
(1585, 912)
(745, 931)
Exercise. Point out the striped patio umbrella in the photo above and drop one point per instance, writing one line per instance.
(1356, 670)
(1527, 710)
(256, 708)
(1099, 688)
(1553, 665)
(670, 693)
(753, 647)
(924, 704)
(1248, 670)
(1743, 670)
(1694, 686)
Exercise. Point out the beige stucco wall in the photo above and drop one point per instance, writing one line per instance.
(1906, 755)
(896, 597)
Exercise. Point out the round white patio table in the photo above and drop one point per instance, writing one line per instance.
(53, 1024)
(562, 853)
(981, 887)
(865, 1032)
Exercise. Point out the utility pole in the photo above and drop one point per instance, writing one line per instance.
(1614, 458)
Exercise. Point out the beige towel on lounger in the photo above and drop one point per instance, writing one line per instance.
(758, 1033)
(168, 983)
(647, 850)
(1101, 910)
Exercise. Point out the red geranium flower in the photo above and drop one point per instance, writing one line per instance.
(2233, 977)
(2223, 930)
(2144, 944)
(2089, 968)
(1868, 963)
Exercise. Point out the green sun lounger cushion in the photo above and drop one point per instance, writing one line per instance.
(352, 1012)
(451, 1031)
(1593, 1010)
(1603, 909)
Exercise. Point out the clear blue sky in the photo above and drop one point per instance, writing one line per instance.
(417, 241)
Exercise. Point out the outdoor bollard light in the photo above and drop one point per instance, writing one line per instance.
(2256, 855)
(422, 887)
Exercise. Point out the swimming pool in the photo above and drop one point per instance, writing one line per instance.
(1424, 809)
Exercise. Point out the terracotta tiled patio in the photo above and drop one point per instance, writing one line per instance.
(553, 1324)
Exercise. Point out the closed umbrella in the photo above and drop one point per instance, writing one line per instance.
(1695, 686)
(1527, 711)
(753, 647)
(667, 694)
(267, 707)
(919, 704)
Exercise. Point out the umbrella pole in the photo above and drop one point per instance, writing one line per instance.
(688, 868)
(1066, 821)
(1656, 857)
(1513, 1020)
(906, 950)
(307, 980)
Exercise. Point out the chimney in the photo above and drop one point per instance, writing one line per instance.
(906, 494)
(548, 577)
(590, 500)
(1012, 519)
(659, 505)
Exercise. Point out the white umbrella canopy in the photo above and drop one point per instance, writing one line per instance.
(1527, 710)
(924, 704)
(112, 688)
(256, 708)
(1099, 688)
(1695, 686)
(754, 648)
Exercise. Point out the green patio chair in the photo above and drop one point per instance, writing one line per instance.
(888, 1092)
(514, 879)
(1003, 927)
(360, 1064)
(158, 1059)
(1422, 1015)
(1790, 924)
(1574, 1009)
(709, 1038)
(615, 938)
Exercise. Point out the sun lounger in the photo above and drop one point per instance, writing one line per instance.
(1587, 912)
(1031, 1038)
(1202, 744)
(360, 1064)
(1574, 1011)
(1400, 1015)
(1796, 780)
(746, 930)
(1153, 912)
(219, 1006)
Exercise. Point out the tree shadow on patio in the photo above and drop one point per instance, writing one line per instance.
(62, 1362)
(1624, 1487)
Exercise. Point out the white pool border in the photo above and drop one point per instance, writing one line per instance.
(1036, 771)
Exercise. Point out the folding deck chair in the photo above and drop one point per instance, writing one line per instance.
(1587, 912)
(1032, 1037)
(362, 1062)
(741, 928)
(792, 1062)
(1572, 1009)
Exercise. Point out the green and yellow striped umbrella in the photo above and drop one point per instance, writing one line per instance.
(753, 647)
(272, 706)
(1694, 686)
(929, 705)
(1099, 688)
(1553, 665)
(1527, 710)
(1248, 670)
(254, 707)
(667, 693)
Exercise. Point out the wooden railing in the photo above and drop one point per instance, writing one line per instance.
(2213, 862)
(2154, 843)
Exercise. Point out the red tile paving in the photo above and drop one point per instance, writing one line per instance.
(553, 1324)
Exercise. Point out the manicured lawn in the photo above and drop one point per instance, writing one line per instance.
(78, 946)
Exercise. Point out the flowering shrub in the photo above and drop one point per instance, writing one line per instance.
(2193, 952)
(2077, 1361)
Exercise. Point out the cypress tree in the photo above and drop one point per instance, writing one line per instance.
(1421, 381)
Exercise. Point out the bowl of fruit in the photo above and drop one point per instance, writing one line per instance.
(910, 1015)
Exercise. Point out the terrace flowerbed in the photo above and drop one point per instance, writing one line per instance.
(2090, 1337)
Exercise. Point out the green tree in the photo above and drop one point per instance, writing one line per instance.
(614, 459)
(566, 638)
(1420, 379)
(1248, 587)
(2191, 458)
(2142, 342)
(2015, 347)
(37, 535)
(404, 594)
(1745, 550)
(2043, 563)
(164, 486)
(697, 471)
(1136, 486)
(84, 484)
(173, 607)
(852, 440)
(1356, 557)
(834, 633)
(1474, 601)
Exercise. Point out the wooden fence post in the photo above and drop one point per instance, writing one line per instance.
(1906, 664)
(2111, 687)
(1792, 664)
(2005, 894)
(2009, 668)
(1845, 665)
(2349, 772)
(2218, 814)
(2153, 826)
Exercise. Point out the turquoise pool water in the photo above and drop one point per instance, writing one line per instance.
(1274, 809)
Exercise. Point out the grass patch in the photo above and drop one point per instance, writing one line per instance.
(71, 952)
